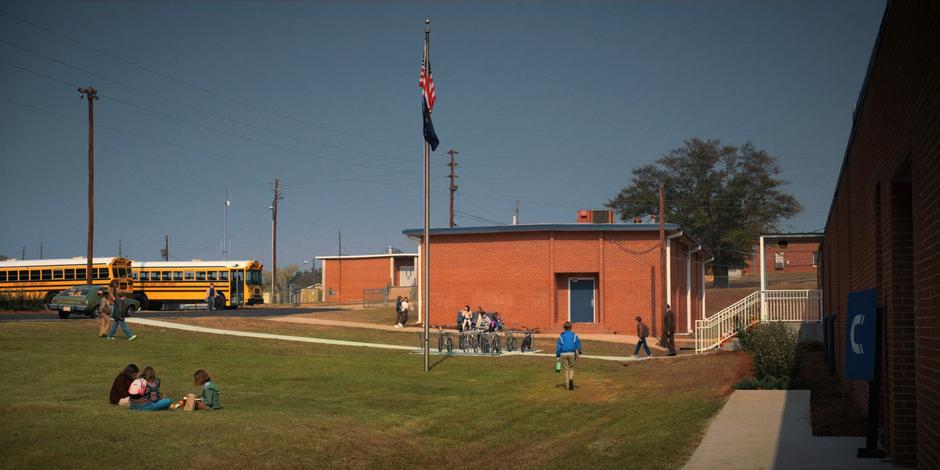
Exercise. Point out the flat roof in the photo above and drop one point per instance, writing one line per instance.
(417, 233)
(379, 255)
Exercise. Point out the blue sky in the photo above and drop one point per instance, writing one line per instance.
(550, 103)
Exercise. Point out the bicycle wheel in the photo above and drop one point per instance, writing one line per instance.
(510, 343)
(440, 343)
(496, 345)
(450, 345)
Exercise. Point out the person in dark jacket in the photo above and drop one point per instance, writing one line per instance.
(119, 394)
(118, 315)
(669, 330)
(642, 332)
(398, 312)
(567, 351)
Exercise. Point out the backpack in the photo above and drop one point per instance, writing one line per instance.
(138, 387)
(646, 330)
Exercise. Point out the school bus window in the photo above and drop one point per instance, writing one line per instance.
(69, 274)
(46, 274)
(80, 273)
(223, 276)
(190, 276)
(57, 274)
(177, 275)
(200, 275)
(212, 275)
(144, 276)
(34, 275)
(165, 276)
(135, 276)
(3, 275)
(102, 273)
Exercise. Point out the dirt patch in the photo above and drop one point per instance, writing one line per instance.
(833, 413)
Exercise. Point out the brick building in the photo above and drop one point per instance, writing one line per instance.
(541, 275)
(785, 255)
(883, 226)
(345, 277)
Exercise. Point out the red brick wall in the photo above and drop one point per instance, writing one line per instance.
(883, 228)
(524, 276)
(349, 276)
(798, 258)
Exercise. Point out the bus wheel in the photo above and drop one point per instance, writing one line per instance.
(63, 315)
(96, 313)
(141, 298)
(48, 299)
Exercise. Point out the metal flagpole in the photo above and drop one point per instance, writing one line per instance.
(425, 291)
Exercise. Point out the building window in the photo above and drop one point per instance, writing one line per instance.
(815, 259)
(778, 260)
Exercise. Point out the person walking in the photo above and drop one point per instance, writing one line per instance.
(117, 315)
(405, 307)
(210, 297)
(104, 312)
(642, 332)
(567, 352)
(669, 330)
(398, 312)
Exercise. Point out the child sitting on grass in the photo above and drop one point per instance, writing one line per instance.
(208, 399)
(146, 396)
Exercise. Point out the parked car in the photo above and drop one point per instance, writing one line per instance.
(84, 299)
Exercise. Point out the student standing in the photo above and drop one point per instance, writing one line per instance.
(210, 297)
(398, 312)
(104, 312)
(567, 351)
(117, 315)
(669, 330)
(642, 332)
(405, 307)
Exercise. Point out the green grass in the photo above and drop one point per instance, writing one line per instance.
(290, 405)
(379, 315)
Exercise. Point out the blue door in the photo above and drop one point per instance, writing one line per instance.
(581, 300)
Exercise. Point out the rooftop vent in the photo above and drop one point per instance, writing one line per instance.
(596, 217)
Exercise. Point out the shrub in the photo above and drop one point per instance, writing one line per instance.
(765, 383)
(774, 348)
(19, 301)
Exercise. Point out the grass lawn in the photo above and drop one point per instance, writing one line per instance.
(404, 338)
(289, 405)
(380, 315)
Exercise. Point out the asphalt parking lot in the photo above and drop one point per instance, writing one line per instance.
(239, 313)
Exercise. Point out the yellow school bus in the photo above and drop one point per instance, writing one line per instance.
(174, 283)
(44, 278)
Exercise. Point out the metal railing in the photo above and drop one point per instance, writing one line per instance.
(761, 306)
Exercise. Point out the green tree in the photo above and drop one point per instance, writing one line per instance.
(723, 195)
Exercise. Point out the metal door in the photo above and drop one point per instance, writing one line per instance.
(581, 300)
(237, 287)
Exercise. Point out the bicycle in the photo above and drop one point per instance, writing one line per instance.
(444, 341)
(510, 341)
(494, 344)
(528, 341)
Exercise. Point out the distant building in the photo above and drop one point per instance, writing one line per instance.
(597, 275)
(786, 255)
(346, 277)
(883, 226)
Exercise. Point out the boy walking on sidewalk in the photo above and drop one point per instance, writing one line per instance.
(642, 332)
(567, 351)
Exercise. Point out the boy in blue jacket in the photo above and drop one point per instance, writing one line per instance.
(567, 351)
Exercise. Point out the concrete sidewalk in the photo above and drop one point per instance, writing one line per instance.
(770, 429)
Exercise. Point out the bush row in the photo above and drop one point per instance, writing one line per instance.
(775, 349)
(19, 301)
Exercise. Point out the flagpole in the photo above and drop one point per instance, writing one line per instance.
(425, 294)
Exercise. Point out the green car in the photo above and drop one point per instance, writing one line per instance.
(84, 299)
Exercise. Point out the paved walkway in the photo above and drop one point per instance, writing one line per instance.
(770, 429)
(338, 342)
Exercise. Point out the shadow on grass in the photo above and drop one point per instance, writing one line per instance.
(439, 361)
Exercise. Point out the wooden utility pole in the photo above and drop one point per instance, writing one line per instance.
(91, 95)
(119, 249)
(453, 187)
(40, 250)
(23, 256)
(166, 247)
(662, 252)
(339, 253)
(277, 197)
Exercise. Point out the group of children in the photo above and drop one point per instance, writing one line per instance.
(402, 307)
(140, 390)
(479, 320)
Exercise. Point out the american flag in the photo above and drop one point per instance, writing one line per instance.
(426, 82)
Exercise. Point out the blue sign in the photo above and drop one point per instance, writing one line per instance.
(860, 335)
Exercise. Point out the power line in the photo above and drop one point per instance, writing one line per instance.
(189, 84)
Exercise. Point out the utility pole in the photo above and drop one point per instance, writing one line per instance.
(24, 253)
(662, 252)
(339, 253)
(515, 216)
(91, 95)
(40, 250)
(453, 187)
(166, 248)
(225, 226)
(277, 197)
(119, 248)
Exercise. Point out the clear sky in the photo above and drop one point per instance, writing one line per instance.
(549, 103)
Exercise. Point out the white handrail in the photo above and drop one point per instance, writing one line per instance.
(791, 305)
